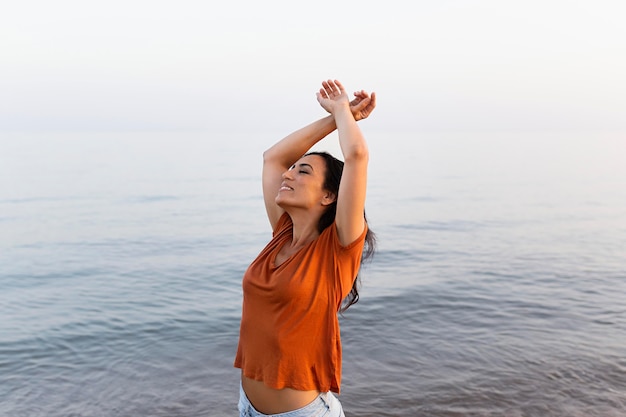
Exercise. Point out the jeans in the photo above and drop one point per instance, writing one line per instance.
(325, 405)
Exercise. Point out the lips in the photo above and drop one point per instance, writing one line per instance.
(285, 187)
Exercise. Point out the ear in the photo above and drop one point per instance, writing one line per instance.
(329, 198)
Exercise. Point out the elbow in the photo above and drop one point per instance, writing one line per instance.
(357, 153)
(268, 156)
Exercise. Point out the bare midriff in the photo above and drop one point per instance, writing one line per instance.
(268, 400)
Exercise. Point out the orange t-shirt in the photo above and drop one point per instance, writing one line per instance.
(289, 335)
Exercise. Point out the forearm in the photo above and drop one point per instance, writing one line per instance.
(293, 146)
(351, 139)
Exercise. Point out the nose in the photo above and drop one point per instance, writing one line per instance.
(287, 175)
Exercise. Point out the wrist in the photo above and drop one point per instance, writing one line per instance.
(343, 110)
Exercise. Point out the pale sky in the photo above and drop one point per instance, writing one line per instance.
(248, 65)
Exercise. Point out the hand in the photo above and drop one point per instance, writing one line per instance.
(363, 105)
(332, 96)
(333, 92)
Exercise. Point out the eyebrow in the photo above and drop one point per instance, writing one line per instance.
(306, 165)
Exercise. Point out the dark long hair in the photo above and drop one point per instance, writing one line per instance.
(334, 169)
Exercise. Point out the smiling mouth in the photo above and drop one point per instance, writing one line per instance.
(285, 188)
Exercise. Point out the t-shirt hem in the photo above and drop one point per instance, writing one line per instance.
(278, 386)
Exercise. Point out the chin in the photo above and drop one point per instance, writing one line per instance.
(285, 204)
(280, 202)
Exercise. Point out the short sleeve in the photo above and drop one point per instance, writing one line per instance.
(348, 260)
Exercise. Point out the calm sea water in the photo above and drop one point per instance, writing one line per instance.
(499, 287)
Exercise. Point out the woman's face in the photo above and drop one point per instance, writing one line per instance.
(303, 184)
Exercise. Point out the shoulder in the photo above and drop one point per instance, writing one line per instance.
(331, 237)
(283, 223)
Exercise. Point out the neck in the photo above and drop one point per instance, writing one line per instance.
(304, 228)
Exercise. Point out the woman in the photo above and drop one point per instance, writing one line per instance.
(289, 346)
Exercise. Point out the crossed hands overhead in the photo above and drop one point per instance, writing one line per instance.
(333, 96)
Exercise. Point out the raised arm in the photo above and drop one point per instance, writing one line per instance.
(278, 158)
(283, 154)
(350, 219)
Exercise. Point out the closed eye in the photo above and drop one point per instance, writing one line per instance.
(304, 168)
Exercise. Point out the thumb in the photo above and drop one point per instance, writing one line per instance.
(362, 104)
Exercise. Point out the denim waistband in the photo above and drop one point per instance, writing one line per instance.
(323, 405)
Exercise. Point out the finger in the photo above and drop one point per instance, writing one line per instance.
(340, 86)
(331, 89)
(373, 100)
(330, 86)
(362, 104)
